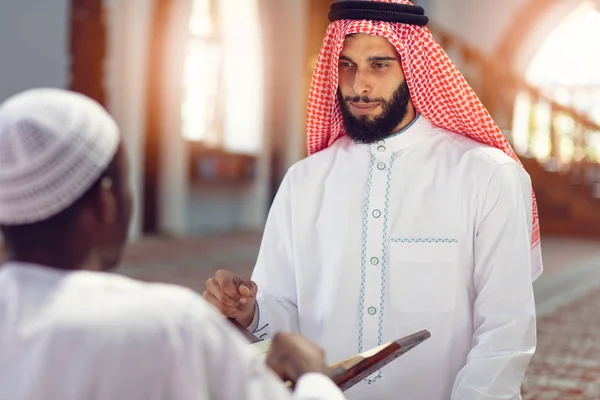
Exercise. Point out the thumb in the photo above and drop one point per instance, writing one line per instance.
(248, 289)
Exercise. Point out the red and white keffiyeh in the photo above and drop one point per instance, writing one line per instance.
(438, 90)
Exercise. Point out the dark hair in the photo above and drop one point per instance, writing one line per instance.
(57, 227)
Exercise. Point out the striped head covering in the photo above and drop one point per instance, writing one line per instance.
(438, 90)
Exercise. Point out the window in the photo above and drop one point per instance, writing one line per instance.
(202, 99)
(223, 100)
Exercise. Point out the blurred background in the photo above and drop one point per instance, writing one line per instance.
(211, 97)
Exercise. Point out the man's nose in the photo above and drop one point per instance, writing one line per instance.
(361, 85)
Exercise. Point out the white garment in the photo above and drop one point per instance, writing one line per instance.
(99, 336)
(428, 229)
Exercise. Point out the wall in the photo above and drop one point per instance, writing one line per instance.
(481, 23)
(34, 38)
(37, 57)
(220, 209)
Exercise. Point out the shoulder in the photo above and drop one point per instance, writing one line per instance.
(318, 165)
(110, 302)
(124, 288)
(476, 152)
(480, 160)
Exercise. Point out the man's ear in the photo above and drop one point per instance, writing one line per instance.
(108, 202)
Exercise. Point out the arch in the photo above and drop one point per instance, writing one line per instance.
(536, 20)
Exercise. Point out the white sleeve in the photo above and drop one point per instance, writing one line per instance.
(214, 361)
(316, 387)
(504, 338)
(274, 272)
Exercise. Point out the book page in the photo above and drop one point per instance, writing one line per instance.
(262, 347)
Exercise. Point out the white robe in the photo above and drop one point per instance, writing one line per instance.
(96, 336)
(424, 230)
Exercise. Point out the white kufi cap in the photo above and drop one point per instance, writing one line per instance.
(54, 144)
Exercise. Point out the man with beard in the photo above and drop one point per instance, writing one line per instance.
(411, 212)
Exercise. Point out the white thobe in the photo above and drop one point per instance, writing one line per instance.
(98, 336)
(427, 229)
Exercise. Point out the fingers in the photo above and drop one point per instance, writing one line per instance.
(214, 288)
(231, 295)
(248, 289)
(276, 357)
(291, 356)
(280, 369)
(228, 311)
(228, 283)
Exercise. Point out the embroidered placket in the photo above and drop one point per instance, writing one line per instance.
(374, 251)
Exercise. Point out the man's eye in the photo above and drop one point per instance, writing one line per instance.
(345, 65)
(380, 65)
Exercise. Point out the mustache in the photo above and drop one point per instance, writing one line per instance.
(363, 99)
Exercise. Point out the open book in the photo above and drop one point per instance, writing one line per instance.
(349, 372)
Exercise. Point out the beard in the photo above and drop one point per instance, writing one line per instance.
(366, 129)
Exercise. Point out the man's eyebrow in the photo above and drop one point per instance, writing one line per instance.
(371, 59)
(382, 58)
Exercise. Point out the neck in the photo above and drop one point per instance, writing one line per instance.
(58, 257)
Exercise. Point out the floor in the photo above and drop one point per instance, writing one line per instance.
(566, 365)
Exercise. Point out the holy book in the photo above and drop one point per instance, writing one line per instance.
(352, 370)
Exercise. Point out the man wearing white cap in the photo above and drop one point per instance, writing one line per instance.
(70, 330)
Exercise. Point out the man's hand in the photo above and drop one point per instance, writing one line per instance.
(233, 296)
(291, 356)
